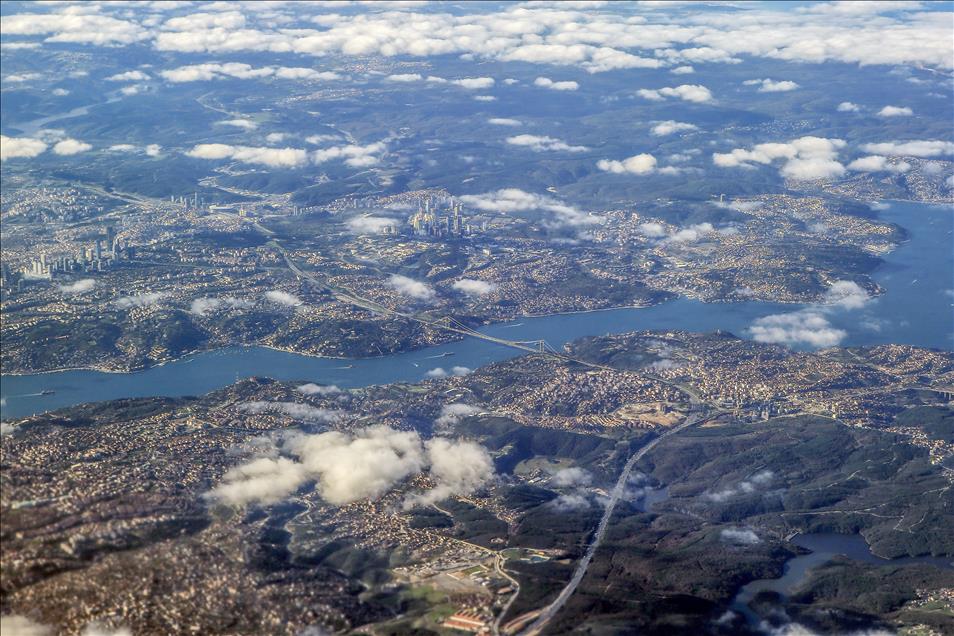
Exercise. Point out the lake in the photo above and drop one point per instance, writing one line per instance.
(824, 547)
(916, 310)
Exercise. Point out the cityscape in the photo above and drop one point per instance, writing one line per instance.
(497, 318)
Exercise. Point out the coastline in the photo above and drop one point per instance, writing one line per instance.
(880, 290)
(184, 358)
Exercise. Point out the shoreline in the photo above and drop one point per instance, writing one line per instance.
(672, 297)
(196, 352)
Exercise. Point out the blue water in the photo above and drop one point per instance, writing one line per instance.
(916, 309)
(824, 547)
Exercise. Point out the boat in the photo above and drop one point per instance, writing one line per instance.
(47, 392)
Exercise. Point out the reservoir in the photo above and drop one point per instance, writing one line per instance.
(916, 309)
(824, 547)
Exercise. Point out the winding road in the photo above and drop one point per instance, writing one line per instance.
(551, 610)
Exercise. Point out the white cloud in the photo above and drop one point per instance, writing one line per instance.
(275, 137)
(739, 536)
(282, 298)
(651, 230)
(361, 465)
(847, 295)
(16, 147)
(862, 8)
(294, 410)
(699, 54)
(453, 413)
(128, 76)
(238, 70)
(806, 158)
(473, 287)
(131, 90)
(570, 502)
(516, 200)
(310, 74)
(637, 164)
(543, 143)
(441, 372)
(204, 20)
(739, 206)
(69, 147)
(757, 481)
(682, 70)
(318, 389)
(354, 155)
(205, 305)
(691, 234)
(932, 148)
(17, 78)
(772, 86)
(263, 480)
(546, 82)
(848, 107)
(669, 127)
(272, 157)
(504, 121)
(139, 300)
(369, 224)
(895, 111)
(412, 288)
(810, 326)
(594, 40)
(470, 83)
(878, 163)
(152, 150)
(573, 477)
(805, 327)
(19, 46)
(17, 625)
(687, 92)
(458, 467)
(79, 287)
(245, 124)
(60, 92)
(75, 27)
(485, 98)
(405, 77)
(474, 83)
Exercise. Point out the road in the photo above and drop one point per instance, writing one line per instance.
(446, 324)
(554, 607)
(694, 416)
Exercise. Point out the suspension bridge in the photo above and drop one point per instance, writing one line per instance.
(445, 323)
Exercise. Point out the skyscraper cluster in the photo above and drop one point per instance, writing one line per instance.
(101, 254)
(428, 222)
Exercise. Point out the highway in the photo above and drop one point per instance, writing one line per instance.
(449, 324)
(446, 324)
(551, 610)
